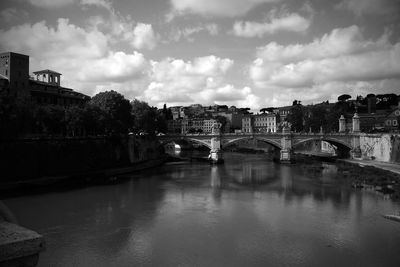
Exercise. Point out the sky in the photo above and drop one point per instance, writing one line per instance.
(247, 53)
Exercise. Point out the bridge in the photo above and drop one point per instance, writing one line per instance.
(285, 142)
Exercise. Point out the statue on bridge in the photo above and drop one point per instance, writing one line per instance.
(216, 128)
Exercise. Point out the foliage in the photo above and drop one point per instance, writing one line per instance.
(269, 109)
(295, 118)
(115, 112)
(344, 97)
(148, 119)
(316, 118)
(223, 120)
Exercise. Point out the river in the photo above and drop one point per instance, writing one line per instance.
(249, 211)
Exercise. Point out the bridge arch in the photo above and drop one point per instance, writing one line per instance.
(274, 143)
(343, 148)
(176, 140)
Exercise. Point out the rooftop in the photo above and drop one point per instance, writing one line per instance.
(46, 71)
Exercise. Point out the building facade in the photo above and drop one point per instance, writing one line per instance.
(264, 123)
(45, 88)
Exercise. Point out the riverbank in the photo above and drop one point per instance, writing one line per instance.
(359, 174)
(70, 181)
(388, 166)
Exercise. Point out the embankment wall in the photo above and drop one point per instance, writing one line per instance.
(25, 159)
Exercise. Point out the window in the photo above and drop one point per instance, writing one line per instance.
(394, 122)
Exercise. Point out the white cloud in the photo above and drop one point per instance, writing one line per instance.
(83, 56)
(223, 8)
(116, 67)
(188, 32)
(144, 37)
(340, 58)
(99, 3)
(287, 22)
(202, 80)
(50, 3)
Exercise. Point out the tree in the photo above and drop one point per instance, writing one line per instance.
(316, 118)
(223, 120)
(147, 118)
(270, 109)
(296, 102)
(344, 97)
(116, 111)
(295, 117)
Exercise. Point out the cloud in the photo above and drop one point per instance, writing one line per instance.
(202, 80)
(83, 56)
(377, 7)
(50, 3)
(99, 3)
(61, 3)
(287, 22)
(143, 37)
(342, 57)
(116, 67)
(188, 32)
(221, 8)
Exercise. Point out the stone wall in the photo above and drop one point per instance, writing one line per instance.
(34, 158)
(380, 147)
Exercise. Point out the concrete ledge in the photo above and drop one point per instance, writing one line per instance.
(19, 246)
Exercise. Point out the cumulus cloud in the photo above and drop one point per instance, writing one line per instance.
(202, 80)
(342, 57)
(143, 36)
(83, 56)
(116, 67)
(222, 8)
(287, 22)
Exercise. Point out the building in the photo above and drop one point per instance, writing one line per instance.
(14, 71)
(174, 126)
(208, 125)
(259, 123)
(284, 112)
(45, 88)
(264, 123)
(392, 121)
(247, 124)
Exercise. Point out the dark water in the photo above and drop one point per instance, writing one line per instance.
(247, 212)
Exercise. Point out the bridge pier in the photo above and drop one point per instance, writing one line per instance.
(286, 156)
(216, 156)
(286, 143)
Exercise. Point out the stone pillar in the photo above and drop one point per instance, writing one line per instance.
(356, 123)
(216, 155)
(342, 124)
(356, 151)
(286, 151)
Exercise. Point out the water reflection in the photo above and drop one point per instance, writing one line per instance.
(247, 212)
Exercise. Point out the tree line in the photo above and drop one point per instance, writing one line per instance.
(326, 116)
(107, 113)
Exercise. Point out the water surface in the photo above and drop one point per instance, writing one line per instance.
(247, 212)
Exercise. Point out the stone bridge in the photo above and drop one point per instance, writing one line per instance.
(285, 142)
